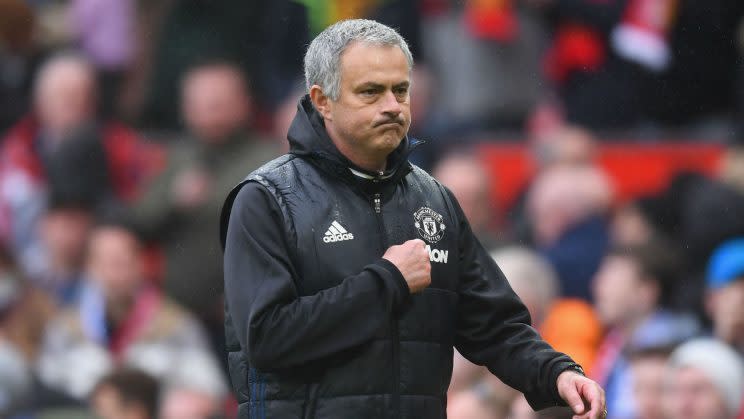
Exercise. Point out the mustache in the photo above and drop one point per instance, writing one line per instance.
(399, 121)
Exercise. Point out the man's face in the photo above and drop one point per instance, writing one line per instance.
(64, 233)
(65, 97)
(616, 287)
(372, 113)
(215, 103)
(648, 374)
(727, 311)
(107, 404)
(115, 262)
(691, 395)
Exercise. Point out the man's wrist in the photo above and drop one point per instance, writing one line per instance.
(572, 366)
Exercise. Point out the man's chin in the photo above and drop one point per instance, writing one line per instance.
(390, 141)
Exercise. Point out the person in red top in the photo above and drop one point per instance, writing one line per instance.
(62, 146)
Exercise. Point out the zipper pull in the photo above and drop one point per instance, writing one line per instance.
(378, 205)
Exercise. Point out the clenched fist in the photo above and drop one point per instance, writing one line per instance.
(412, 260)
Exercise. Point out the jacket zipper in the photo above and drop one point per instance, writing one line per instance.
(377, 207)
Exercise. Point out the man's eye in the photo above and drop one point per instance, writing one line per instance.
(401, 91)
(368, 92)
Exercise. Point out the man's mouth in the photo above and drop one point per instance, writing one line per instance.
(389, 124)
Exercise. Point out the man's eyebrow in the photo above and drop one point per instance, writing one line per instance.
(370, 85)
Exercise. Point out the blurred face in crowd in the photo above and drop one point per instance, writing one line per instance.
(65, 234)
(467, 179)
(215, 102)
(187, 404)
(648, 373)
(726, 307)
(372, 113)
(567, 145)
(690, 394)
(115, 262)
(622, 296)
(65, 95)
(630, 227)
(563, 196)
(107, 403)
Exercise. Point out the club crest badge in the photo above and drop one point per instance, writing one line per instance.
(429, 224)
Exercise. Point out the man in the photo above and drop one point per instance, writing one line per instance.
(182, 204)
(471, 183)
(121, 320)
(630, 294)
(704, 380)
(58, 146)
(64, 230)
(336, 307)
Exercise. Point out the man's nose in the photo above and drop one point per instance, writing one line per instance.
(390, 104)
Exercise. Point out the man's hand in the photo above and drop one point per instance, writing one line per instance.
(412, 260)
(586, 398)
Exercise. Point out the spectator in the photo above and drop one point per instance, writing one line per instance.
(119, 320)
(726, 292)
(472, 185)
(550, 147)
(181, 207)
(705, 379)
(188, 32)
(64, 232)
(52, 148)
(630, 292)
(567, 208)
(647, 369)
(125, 394)
(680, 216)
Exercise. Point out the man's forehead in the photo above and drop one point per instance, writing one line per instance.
(374, 63)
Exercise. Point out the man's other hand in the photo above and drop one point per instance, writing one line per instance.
(586, 398)
(412, 260)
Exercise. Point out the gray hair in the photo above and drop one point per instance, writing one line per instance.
(324, 53)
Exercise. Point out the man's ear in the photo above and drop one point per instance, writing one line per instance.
(321, 102)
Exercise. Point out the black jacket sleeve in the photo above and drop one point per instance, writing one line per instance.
(493, 326)
(276, 327)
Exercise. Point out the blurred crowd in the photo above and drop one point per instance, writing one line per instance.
(124, 123)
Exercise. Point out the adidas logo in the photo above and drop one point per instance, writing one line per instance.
(336, 233)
